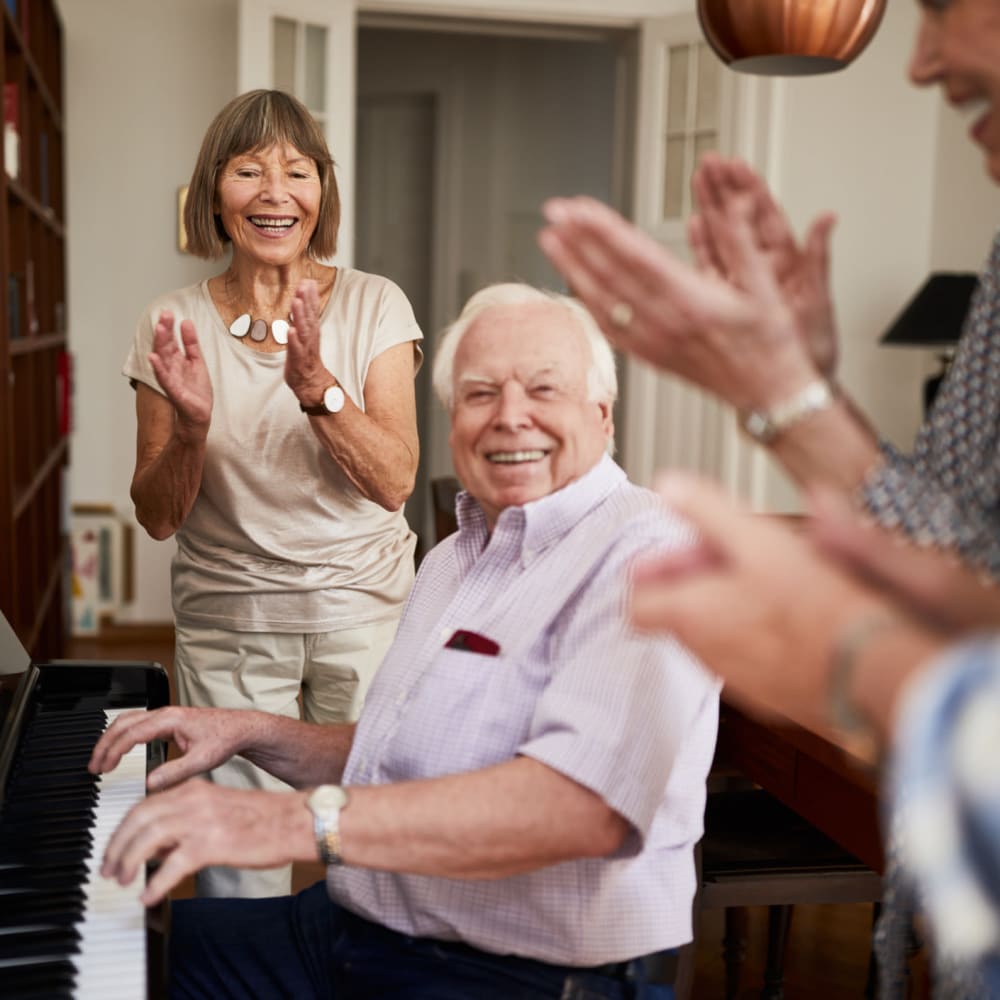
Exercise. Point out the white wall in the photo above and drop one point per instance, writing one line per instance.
(143, 80)
(966, 206)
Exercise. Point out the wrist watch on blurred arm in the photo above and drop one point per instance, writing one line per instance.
(332, 402)
(765, 425)
(326, 803)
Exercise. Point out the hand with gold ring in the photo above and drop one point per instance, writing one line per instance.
(621, 314)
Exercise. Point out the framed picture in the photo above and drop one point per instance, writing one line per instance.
(182, 240)
(101, 580)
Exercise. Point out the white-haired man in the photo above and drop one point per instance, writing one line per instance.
(516, 810)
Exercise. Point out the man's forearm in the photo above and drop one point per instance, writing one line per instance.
(493, 823)
(302, 754)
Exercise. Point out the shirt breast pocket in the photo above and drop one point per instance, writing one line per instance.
(468, 711)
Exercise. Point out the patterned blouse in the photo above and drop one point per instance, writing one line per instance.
(947, 493)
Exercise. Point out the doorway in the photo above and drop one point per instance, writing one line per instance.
(464, 128)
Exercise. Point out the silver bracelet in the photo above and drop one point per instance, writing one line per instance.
(853, 638)
(765, 425)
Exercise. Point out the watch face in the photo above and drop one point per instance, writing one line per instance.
(333, 399)
(327, 797)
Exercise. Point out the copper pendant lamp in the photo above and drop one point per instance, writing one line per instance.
(789, 37)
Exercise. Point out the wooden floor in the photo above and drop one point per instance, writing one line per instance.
(828, 945)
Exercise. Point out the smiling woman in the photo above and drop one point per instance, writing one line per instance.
(276, 439)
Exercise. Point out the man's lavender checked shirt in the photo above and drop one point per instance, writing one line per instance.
(630, 717)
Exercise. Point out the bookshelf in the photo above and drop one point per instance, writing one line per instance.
(34, 362)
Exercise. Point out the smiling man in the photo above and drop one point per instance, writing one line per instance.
(515, 813)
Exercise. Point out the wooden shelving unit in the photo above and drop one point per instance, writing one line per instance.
(34, 395)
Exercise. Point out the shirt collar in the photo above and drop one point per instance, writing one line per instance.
(544, 521)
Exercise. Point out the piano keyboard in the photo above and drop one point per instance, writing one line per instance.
(64, 930)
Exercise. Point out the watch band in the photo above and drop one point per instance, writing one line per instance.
(332, 402)
(319, 410)
(328, 841)
(765, 425)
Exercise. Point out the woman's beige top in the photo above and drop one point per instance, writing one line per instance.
(279, 539)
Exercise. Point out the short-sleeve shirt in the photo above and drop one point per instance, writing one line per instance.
(631, 717)
(279, 539)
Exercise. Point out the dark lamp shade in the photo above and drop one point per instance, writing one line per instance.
(934, 316)
(789, 37)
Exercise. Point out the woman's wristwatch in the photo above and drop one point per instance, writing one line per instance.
(333, 402)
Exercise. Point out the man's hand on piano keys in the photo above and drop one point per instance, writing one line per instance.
(206, 738)
(198, 824)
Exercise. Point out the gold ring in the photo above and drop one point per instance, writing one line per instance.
(621, 314)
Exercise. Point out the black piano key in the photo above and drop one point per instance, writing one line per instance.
(61, 823)
(48, 941)
(49, 980)
(22, 842)
(42, 910)
(63, 796)
(66, 858)
(33, 879)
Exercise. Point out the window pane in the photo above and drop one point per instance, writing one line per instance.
(674, 178)
(677, 90)
(315, 98)
(283, 40)
(707, 96)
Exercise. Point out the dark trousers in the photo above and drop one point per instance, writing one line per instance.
(305, 946)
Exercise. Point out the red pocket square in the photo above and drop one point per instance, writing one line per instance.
(472, 642)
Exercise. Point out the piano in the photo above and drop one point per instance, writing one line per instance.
(64, 930)
(826, 782)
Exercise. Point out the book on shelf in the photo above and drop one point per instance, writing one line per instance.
(64, 392)
(12, 130)
(12, 7)
(13, 307)
(43, 168)
(30, 312)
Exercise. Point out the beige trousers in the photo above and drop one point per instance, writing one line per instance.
(267, 671)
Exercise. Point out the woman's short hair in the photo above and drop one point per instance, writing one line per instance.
(254, 121)
(602, 380)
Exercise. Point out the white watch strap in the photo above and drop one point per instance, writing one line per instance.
(765, 425)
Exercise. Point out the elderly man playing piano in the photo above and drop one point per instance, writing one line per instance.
(514, 815)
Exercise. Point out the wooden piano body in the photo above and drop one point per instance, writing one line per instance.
(824, 782)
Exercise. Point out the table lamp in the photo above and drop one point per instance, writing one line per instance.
(933, 320)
